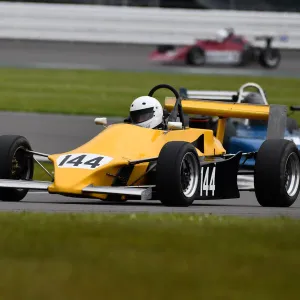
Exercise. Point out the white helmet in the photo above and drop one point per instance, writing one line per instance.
(146, 111)
(222, 34)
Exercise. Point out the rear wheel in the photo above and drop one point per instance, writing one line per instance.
(196, 57)
(15, 164)
(177, 174)
(277, 173)
(270, 58)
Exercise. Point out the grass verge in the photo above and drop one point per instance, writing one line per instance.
(40, 174)
(96, 256)
(110, 93)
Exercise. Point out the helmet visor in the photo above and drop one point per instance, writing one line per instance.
(142, 115)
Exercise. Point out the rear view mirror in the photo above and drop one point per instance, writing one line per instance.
(100, 121)
(174, 125)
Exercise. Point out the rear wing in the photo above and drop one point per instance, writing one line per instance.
(225, 96)
(269, 39)
(282, 38)
(221, 109)
(276, 115)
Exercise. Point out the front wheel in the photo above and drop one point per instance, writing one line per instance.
(277, 173)
(15, 164)
(196, 57)
(177, 174)
(270, 58)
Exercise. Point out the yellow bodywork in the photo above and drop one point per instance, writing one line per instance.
(124, 143)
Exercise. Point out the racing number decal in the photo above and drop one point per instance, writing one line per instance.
(94, 162)
(208, 181)
(82, 161)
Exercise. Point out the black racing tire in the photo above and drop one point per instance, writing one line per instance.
(15, 164)
(195, 57)
(291, 125)
(277, 173)
(267, 62)
(173, 186)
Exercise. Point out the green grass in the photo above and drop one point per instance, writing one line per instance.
(40, 174)
(110, 93)
(94, 256)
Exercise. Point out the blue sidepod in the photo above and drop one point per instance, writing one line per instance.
(250, 138)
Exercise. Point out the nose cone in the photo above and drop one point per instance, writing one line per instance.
(75, 171)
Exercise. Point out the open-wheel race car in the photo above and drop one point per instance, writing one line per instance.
(175, 164)
(245, 135)
(227, 49)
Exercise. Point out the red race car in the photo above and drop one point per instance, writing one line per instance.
(228, 48)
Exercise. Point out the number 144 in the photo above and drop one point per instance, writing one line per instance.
(208, 181)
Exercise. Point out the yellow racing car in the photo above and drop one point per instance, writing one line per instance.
(175, 164)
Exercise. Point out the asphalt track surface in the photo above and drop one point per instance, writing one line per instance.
(245, 207)
(59, 133)
(71, 55)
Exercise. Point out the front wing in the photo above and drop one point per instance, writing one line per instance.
(217, 180)
(144, 193)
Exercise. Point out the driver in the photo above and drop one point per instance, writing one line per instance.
(222, 35)
(146, 111)
(253, 98)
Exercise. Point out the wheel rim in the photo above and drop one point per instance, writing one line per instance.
(271, 59)
(21, 165)
(198, 58)
(292, 174)
(189, 171)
